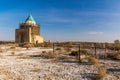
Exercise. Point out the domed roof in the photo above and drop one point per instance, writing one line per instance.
(30, 20)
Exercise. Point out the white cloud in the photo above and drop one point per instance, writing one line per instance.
(95, 33)
(98, 13)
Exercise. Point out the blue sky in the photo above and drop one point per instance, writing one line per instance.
(64, 20)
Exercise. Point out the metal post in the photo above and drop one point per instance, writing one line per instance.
(53, 47)
(95, 49)
(105, 52)
(79, 53)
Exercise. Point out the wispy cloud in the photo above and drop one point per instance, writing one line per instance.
(95, 33)
(97, 13)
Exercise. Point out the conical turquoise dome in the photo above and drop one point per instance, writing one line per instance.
(30, 19)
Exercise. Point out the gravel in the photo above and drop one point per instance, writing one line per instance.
(38, 68)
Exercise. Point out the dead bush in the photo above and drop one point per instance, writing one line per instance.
(51, 55)
(93, 60)
(58, 48)
(23, 56)
(102, 69)
(114, 55)
(61, 50)
(13, 53)
(36, 70)
(67, 49)
(117, 56)
(64, 57)
(13, 47)
(43, 52)
(76, 53)
(26, 45)
(1, 50)
(48, 55)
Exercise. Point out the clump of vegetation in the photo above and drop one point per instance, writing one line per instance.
(102, 69)
(58, 49)
(26, 45)
(114, 55)
(48, 55)
(76, 53)
(61, 50)
(80, 56)
(13, 47)
(36, 70)
(13, 53)
(93, 60)
(1, 50)
(44, 52)
(117, 56)
(51, 55)
(23, 56)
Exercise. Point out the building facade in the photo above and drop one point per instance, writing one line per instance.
(28, 32)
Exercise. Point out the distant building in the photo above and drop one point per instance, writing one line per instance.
(29, 32)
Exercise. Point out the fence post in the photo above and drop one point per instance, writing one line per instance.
(53, 47)
(95, 49)
(105, 52)
(79, 53)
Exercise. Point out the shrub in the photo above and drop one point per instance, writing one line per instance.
(26, 45)
(101, 72)
(76, 53)
(44, 52)
(51, 55)
(117, 56)
(36, 70)
(23, 56)
(1, 50)
(13, 53)
(13, 47)
(93, 60)
(114, 55)
(48, 54)
(58, 48)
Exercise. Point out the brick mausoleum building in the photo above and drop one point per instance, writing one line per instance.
(29, 32)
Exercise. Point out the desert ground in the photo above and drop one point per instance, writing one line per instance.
(29, 64)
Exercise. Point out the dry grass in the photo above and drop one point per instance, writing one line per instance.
(49, 76)
(8, 75)
(13, 53)
(117, 56)
(23, 56)
(1, 50)
(26, 45)
(102, 69)
(44, 52)
(65, 57)
(13, 47)
(51, 55)
(114, 55)
(36, 70)
(48, 55)
(93, 60)
(61, 50)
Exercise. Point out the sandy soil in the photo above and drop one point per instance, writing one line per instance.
(22, 67)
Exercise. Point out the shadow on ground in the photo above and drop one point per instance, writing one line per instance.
(89, 76)
(113, 70)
